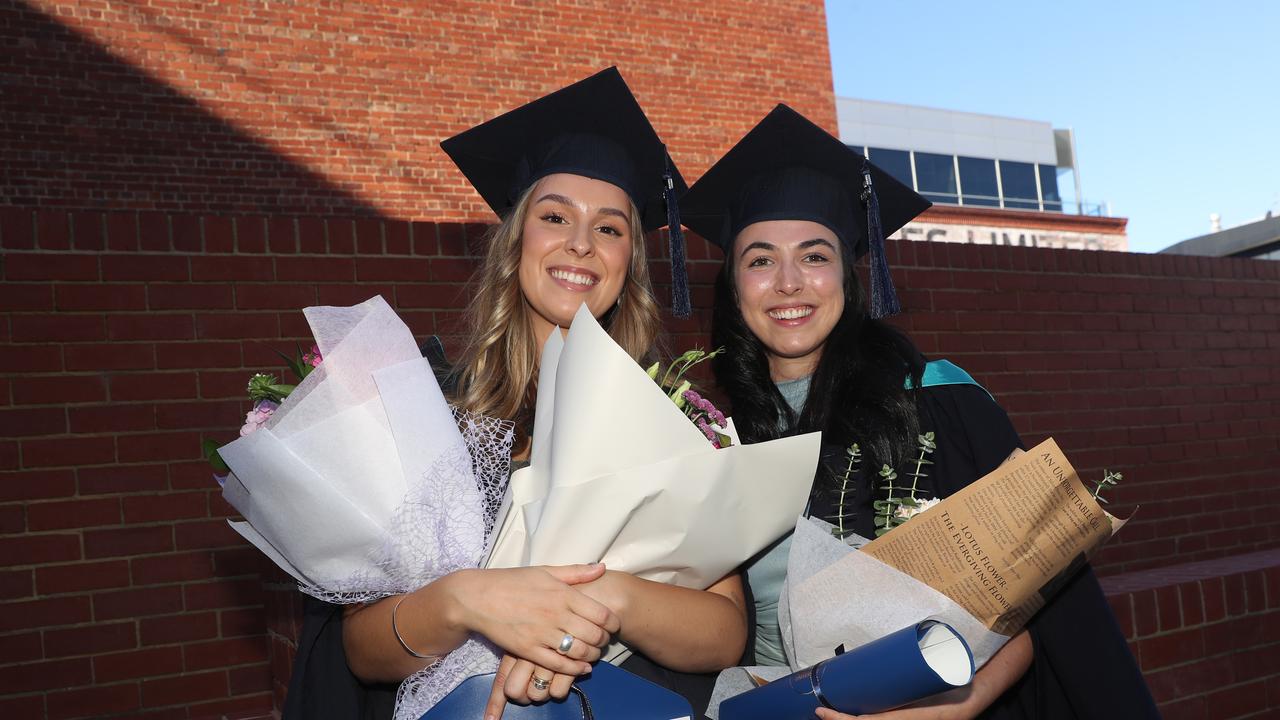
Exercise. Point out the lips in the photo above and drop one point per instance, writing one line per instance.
(577, 278)
(790, 313)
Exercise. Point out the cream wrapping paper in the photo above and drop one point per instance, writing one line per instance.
(619, 475)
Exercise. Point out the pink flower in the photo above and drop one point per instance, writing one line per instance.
(312, 358)
(258, 416)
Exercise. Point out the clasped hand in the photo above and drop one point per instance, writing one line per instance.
(529, 619)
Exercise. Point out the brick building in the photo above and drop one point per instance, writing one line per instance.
(178, 178)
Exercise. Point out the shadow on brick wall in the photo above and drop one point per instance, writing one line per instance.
(81, 128)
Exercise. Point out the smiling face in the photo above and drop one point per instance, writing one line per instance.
(789, 277)
(575, 248)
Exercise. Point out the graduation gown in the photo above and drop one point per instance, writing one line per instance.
(1082, 667)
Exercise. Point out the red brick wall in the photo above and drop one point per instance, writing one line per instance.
(337, 108)
(125, 338)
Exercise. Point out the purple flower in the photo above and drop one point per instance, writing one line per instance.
(258, 416)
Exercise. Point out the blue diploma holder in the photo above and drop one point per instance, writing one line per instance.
(912, 663)
(610, 693)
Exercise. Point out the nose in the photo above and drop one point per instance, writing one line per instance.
(789, 279)
(580, 241)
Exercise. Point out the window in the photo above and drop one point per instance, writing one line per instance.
(1018, 179)
(936, 177)
(978, 182)
(1049, 188)
(897, 163)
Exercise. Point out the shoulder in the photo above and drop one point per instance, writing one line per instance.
(970, 426)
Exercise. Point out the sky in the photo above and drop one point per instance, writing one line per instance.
(1175, 105)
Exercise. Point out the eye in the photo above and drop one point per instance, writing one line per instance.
(815, 258)
(554, 218)
(609, 230)
(759, 261)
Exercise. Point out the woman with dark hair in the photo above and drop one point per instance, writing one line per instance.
(793, 208)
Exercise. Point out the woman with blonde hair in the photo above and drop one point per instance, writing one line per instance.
(577, 178)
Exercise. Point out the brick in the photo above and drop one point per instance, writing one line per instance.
(122, 231)
(59, 389)
(57, 328)
(182, 445)
(36, 484)
(55, 579)
(368, 236)
(238, 623)
(50, 266)
(22, 706)
(16, 584)
(150, 327)
(396, 237)
(76, 297)
(326, 269)
(71, 514)
(245, 680)
(137, 603)
(18, 227)
(205, 534)
(185, 689)
(251, 235)
(223, 269)
(218, 416)
(171, 568)
(187, 233)
(223, 594)
(311, 237)
(69, 451)
(237, 326)
(455, 269)
(112, 418)
(90, 639)
(109, 356)
(282, 235)
(30, 358)
(221, 653)
(26, 297)
(393, 269)
(30, 677)
(250, 706)
(44, 612)
(137, 664)
(275, 296)
(1171, 649)
(219, 235)
(188, 296)
(170, 629)
(12, 519)
(342, 237)
(152, 386)
(150, 268)
(93, 701)
(198, 355)
(22, 647)
(28, 422)
(87, 231)
(122, 478)
(127, 541)
(39, 549)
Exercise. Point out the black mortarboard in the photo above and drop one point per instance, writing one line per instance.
(788, 168)
(594, 128)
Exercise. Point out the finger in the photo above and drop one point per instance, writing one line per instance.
(540, 684)
(555, 662)
(575, 574)
(594, 612)
(588, 639)
(829, 714)
(497, 695)
(517, 686)
(560, 685)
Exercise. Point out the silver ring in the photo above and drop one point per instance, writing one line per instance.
(539, 684)
(566, 643)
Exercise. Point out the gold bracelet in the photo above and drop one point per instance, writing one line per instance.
(396, 630)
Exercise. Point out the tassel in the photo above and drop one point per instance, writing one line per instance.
(884, 299)
(680, 306)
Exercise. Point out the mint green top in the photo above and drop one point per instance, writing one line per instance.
(767, 570)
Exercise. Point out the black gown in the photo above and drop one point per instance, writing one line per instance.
(1082, 666)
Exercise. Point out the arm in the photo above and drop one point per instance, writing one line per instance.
(524, 611)
(1004, 669)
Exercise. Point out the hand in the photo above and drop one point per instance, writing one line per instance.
(526, 612)
(943, 706)
(514, 682)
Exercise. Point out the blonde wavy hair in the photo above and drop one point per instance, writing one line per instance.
(497, 370)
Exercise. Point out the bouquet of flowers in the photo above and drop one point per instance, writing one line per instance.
(701, 411)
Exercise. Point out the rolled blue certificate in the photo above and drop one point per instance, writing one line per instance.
(912, 663)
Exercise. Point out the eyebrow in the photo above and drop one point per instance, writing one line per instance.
(761, 245)
(562, 200)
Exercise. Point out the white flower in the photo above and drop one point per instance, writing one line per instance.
(906, 512)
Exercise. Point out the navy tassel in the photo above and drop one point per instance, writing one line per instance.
(884, 299)
(680, 306)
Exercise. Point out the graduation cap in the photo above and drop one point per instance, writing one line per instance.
(593, 128)
(788, 168)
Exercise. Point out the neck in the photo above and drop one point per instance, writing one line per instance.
(782, 369)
